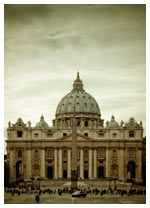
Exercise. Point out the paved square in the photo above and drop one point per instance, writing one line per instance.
(67, 199)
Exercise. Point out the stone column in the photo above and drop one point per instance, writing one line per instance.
(139, 165)
(43, 162)
(28, 163)
(90, 163)
(121, 164)
(60, 163)
(69, 164)
(121, 134)
(81, 164)
(108, 162)
(95, 163)
(55, 164)
(11, 164)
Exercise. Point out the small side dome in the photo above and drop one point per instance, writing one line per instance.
(42, 123)
(113, 123)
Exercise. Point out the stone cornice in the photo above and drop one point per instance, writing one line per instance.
(63, 138)
(28, 148)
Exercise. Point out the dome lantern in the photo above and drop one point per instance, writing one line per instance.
(78, 85)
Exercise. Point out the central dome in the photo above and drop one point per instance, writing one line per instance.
(78, 102)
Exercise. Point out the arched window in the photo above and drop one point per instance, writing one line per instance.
(86, 123)
(78, 123)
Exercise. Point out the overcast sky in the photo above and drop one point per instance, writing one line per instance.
(45, 46)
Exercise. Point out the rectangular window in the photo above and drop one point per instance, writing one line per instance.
(49, 135)
(64, 153)
(114, 153)
(36, 154)
(36, 135)
(131, 133)
(86, 134)
(64, 134)
(19, 133)
(49, 153)
(85, 153)
(132, 153)
(101, 153)
(114, 135)
(101, 134)
(19, 153)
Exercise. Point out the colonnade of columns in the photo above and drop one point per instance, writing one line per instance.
(91, 168)
(92, 163)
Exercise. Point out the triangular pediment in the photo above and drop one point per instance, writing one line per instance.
(80, 138)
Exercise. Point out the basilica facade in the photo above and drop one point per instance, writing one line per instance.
(104, 150)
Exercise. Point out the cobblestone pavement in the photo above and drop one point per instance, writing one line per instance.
(67, 199)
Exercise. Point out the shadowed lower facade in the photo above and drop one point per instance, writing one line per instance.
(108, 151)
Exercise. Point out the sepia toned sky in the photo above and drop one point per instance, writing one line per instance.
(45, 46)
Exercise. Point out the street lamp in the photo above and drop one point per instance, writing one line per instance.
(32, 178)
(109, 183)
(39, 179)
(115, 184)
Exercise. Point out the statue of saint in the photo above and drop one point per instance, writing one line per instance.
(82, 123)
(29, 124)
(107, 124)
(121, 123)
(9, 124)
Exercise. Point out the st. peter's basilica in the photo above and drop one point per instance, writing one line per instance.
(104, 150)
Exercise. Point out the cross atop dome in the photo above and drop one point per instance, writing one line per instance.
(77, 85)
(78, 77)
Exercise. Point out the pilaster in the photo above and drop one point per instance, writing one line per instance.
(95, 163)
(121, 164)
(108, 162)
(90, 163)
(55, 164)
(139, 165)
(28, 163)
(43, 162)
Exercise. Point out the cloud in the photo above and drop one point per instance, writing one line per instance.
(45, 45)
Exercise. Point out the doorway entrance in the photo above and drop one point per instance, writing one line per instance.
(86, 174)
(18, 169)
(49, 172)
(100, 172)
(131, 169)
(65, 174)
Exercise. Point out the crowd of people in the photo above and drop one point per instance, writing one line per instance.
(23, 189)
